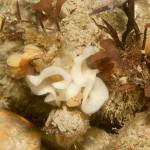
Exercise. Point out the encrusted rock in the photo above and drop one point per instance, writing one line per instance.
(17, 133)
(122, 104)
(68, 126)
(135, 135)
(95, 139)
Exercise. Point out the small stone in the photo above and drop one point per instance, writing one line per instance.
(75, 101)
(17, 133)
(14, 60)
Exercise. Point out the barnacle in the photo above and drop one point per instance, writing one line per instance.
(20, 64)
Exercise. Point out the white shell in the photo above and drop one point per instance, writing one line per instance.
(72, 90)
(98, 95)
(44, 88)
(40, 86)
(49, 71)
(81, 79)
(78, 68)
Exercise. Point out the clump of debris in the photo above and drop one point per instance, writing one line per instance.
(91, 58)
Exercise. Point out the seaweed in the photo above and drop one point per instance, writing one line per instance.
(129, 85)
(128, 7)
(147, 25)
(18, 15)
(114, 34)
(131, 24)
(49, 9)
(9, 28)
(109, 56)
(2, 24)
(147, 90)
(111, 53)
(106, 7)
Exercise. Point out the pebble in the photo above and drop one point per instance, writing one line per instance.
(16, 133)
